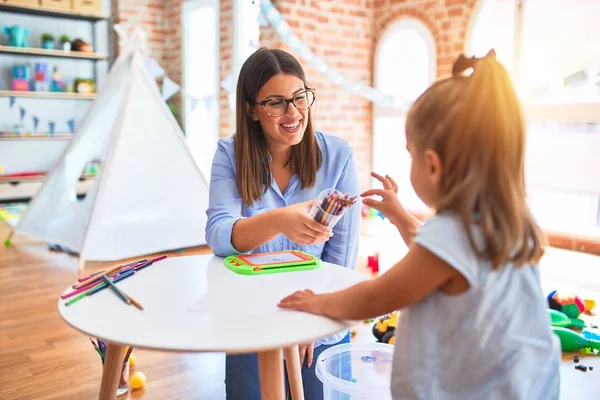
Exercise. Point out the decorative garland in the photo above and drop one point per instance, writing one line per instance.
(291, 39)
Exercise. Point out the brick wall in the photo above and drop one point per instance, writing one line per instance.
(343, 32)
(161, 19)
(446, 19)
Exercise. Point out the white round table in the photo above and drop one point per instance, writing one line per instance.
(196, 304)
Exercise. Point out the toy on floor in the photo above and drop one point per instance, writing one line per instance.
(373, 263)
(385, 328)
(573, 341)
(570, 304)
(558, 318)
(137, 380)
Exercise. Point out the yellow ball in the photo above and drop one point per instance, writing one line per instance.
(137, 380)
(131, 360)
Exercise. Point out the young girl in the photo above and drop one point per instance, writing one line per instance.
(473, 321)
(261, 182)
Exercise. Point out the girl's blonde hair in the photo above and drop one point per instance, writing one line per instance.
(475, 124)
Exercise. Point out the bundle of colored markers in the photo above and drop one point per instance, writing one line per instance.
(101, 280)
(100, 346)
(331, 207)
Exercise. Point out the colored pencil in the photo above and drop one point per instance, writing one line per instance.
(96, 277)
(94, 284)
(131, 264)
(134, 301)
(116, 289)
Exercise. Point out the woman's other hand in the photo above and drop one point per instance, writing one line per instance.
(300, 227)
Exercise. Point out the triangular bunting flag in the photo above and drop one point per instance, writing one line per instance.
(262, 21)
(51, 127)
(12, 100)
(228, 84)
(169, 88)
(154, 68)
(71, 124)
(36, 121)
(22, 113)
(208, 100)
(194, 102)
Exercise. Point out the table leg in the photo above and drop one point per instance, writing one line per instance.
(111, 373)
(270, 368)
(294, 372)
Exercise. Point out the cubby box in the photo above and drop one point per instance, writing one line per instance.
(58, 4)
(23, 2)
(87, 6)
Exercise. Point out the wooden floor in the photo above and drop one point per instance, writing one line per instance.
(41, 357)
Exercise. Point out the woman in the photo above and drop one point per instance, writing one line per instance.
(263, 180)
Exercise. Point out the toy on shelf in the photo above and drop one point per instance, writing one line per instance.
(570, 304)
(20, 80)
(17, 35)
(57, 82)
(40, 79)
(573, 341)
(80, 45)
(84, 85)
(48, 41)
(384, 329)
(65, 41)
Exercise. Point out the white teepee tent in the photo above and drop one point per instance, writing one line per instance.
(149, 195)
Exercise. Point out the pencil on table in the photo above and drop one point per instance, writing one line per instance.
(118, 291)
(95, 277)
(134, 302)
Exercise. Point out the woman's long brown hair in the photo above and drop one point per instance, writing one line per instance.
(253, 175)
(475, 124)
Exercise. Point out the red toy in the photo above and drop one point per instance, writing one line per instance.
(373, 263)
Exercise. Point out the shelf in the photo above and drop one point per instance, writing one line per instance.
(36, 178)
(49, 95)
(32, 51)
(59, 136)
(52, 12)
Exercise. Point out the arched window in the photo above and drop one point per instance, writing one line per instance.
(405, 65)
(551, 49)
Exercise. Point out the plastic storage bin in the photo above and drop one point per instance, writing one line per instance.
(356, 371)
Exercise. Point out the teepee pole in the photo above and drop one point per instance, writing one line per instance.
(81, 264)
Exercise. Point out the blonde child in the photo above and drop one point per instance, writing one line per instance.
(473, 321)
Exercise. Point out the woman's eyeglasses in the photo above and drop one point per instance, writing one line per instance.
(277, 106)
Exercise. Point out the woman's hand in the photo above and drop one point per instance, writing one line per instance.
(389, 205)
(306, 351)
(300, 227)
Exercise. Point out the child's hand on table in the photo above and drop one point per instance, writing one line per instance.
(389, 205)
(303, 300)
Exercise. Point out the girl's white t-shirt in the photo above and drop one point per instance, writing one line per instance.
(493, 341)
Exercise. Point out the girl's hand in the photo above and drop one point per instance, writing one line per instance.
(300, 227)
(306, 351)
(303, 300)
(389, 205)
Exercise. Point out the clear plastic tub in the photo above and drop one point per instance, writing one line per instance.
(330, 207)
(356, 371)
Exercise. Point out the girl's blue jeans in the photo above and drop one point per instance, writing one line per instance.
(242, 381)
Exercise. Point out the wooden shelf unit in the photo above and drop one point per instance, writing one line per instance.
(33, 51)
(49, 95)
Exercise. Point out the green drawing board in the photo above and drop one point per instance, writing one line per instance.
(273, 262)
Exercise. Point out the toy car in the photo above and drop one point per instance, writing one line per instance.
(384, 329)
